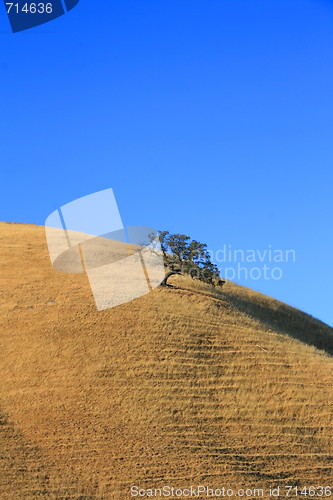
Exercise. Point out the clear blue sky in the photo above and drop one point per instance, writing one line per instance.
(212, 118)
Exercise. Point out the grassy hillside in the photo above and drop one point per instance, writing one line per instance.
(184, 386)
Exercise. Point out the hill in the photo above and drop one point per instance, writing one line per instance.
(184, 386)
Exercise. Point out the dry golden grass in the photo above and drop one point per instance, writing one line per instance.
(186, 385)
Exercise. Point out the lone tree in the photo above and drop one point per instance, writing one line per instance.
(185, 256)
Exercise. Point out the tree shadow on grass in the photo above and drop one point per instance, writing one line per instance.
(285, 319)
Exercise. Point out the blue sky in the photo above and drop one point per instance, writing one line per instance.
(212, 118)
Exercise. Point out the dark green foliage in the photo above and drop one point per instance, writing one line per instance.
(188, 256)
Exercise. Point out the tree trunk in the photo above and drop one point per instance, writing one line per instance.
(167, 276)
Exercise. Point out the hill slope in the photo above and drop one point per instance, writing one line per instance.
(184, 386)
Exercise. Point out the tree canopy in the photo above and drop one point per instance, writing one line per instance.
(184, 255)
